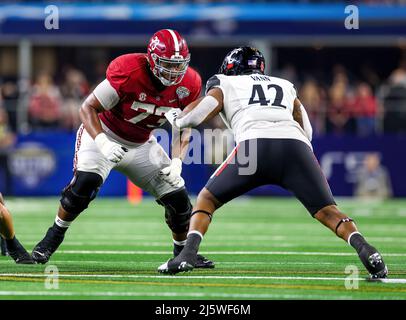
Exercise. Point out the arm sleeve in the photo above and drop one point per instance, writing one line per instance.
(294, 91)
(198, 114)
(106, 94)
(307, 126)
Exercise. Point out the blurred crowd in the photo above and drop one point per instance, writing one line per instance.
(350, 106)
(339, 106)
(47, 105)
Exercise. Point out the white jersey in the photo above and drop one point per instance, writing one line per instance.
(258, 106)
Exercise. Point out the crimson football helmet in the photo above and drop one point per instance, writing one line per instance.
(168, 56)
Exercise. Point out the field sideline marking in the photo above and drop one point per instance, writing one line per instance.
(328, 287)
(137, 276)
(225, 252)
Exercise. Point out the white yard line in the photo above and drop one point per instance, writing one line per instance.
(303, 253)
(114, 239)
(220, 263)
(167, 294)
(147, 276)
(156, 244)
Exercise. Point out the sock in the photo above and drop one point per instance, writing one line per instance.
(60, 226)
(178, 246)
(377, 267)
(12, 244)
(193, 241)
(357, 241)
(3, 246)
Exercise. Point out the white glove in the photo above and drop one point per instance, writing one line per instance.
(113, 151)
(172, 115)
(171, 174)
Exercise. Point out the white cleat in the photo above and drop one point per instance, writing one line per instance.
(163, 268)
(173, 267)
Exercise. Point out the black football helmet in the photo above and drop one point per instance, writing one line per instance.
(243, 60)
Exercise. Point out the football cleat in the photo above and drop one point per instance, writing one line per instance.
(376, 261)
(43, 251)
(373, 262)
(20, 255)
(175, 265)
(203, 263)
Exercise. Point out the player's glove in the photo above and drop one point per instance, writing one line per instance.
(171, 174)
(110, 149)
(172, 115)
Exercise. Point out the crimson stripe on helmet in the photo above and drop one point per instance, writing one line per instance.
(175, 40)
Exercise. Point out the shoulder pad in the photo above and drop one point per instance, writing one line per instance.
(214, 81)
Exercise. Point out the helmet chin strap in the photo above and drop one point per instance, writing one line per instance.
(165, 82)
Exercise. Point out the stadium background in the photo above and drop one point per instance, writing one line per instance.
(353, 82)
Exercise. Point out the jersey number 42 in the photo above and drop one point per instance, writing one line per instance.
(258, 91)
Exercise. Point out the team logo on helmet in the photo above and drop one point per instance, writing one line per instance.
(182, 92)
(154, 43)
(168, 56)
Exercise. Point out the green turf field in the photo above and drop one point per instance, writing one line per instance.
(264, 248)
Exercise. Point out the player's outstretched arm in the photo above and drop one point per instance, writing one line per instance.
(199, 111)
(180, 144)
(300, 116)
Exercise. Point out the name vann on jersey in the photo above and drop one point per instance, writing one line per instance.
(258, 106)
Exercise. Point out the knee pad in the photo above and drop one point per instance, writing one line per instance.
(178, 210)
(81, 191)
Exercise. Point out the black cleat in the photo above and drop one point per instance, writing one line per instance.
(19, 254)
(203, 263)
(43, 251)
(21, 257)
(3, 247)
(373, 262)
(381, 270)
(178, 264)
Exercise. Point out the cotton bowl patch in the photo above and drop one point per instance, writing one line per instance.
(182, 92)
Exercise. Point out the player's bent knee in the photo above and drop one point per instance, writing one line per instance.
(4, 213)
(206, 196)
(80, 192)
(178, 210)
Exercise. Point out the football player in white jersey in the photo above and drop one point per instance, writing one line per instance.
(270, 125)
